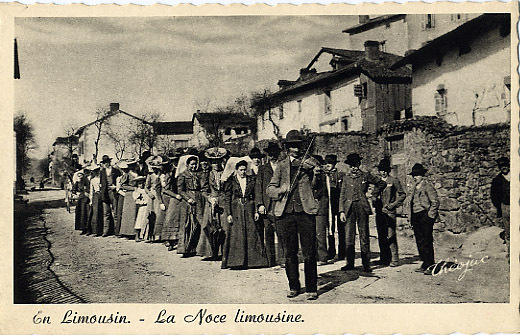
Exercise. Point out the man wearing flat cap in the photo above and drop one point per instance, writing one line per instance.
(385, 206)
(500, 195)
(108, 177)
(354, 209)
(264, 203)
(295, 209)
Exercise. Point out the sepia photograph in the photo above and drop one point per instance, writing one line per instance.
(327, 159)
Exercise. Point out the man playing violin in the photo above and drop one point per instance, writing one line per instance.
(295, 209)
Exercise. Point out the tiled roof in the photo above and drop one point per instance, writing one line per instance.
(66, 140)
(228, 118)
(375, 22)
(173, 128)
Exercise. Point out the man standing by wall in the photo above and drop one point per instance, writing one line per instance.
(354, 209)
(500, 195)
(385, 205)
(264, 202)
(295, 209)
(108, 176)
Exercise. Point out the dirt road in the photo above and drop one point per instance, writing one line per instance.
(115, 270)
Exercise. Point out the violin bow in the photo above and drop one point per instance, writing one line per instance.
(300, 166)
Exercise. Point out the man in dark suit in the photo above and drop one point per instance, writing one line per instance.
(264, 204)
(385, 205)
(295, 209)
(107, 179)
(354, 209)
(500, 189)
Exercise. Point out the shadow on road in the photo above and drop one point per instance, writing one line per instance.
(330, 280)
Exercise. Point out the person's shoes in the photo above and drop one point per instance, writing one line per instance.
(83, 233)
(312, 295)
(367, 269)
(419, 270)
(394, 264)
(381, 262)
(282, 266)
(170, 248)
(293, 293)
(339, 258)
(104, 235)
(348, 267)
(428, 272)
(321, 263)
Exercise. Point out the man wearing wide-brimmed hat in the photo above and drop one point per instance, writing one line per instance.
(500, 190)
(424, 209)
(385, 205)
(264, 203)
(295, 209)
(108, 177)
(256, 156)
(354, 209)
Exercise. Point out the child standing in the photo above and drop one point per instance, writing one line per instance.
(141, 201)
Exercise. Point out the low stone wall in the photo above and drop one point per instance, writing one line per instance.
(460, 162)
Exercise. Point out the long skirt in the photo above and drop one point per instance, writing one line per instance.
(119, 213)
(189, 229)
(160, 215)
(96, 215)
(82, 214)
(204, 248)
(246, 244)
(171, 220)
(128, 216)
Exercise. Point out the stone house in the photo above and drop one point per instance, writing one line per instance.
(218, 128)
(113, 133)
(172, 135)
(340, 90)
(398, 33)
(464, 76)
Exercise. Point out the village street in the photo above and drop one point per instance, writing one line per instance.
(117, 270)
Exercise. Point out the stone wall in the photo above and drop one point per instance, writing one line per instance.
(460, 162)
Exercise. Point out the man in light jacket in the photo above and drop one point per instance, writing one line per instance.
(295, 209)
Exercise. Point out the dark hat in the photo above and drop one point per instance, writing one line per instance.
(256, 153)
(144, 156)
(293, 136)
(216, 153)
(384, 165)
(193, 151)
(503, 161)
(418, 170)
(319, 158)
(331, 159)
(272, 147)
(353, 160)
(106, 159)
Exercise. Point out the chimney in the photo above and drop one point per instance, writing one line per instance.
(114, 107)
(372, 50)
(363, 19)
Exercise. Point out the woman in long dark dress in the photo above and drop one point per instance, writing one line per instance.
(246, 245)
(214, 218)
(157, 207)
(96, 208)
(129, 208)
(190, 189)
(171, 220)
(81, 189)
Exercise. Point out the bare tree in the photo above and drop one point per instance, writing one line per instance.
(143, 136)
(101, 117)
(263, 102)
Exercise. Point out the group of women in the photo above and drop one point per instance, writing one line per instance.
(199, 204)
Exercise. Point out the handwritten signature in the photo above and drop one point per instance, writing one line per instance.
(445, 266)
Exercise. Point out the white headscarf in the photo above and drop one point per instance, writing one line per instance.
(229, 169)
(182, 165)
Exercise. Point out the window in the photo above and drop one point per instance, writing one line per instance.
(382, 46)
(280, 112)
(395, 143)
(299, 106)
(227, 131)
(344, 124)
(327, 108)
(459, 17)
(428, 21)
(441, 101)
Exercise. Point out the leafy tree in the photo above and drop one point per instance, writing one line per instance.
(25, 141)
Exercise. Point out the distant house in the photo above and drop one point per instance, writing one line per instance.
(340, 90)
(217, 128)
(398, 33)
(113, 133)
(172, 135)
(464, 76)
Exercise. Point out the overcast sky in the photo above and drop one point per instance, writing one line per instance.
(172, 65)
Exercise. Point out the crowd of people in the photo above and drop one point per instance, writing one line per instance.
(229, 209)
